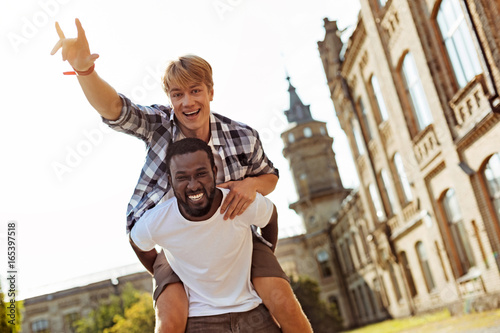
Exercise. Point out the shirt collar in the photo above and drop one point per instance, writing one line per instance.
(216, 136)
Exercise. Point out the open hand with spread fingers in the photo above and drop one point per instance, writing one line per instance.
(75, 50)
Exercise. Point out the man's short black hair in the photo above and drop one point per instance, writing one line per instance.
(186, 146)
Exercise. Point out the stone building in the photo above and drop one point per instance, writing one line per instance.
(56, 311)
(335, 250)
(415, 89)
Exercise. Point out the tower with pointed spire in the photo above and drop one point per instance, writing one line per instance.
(308, 149)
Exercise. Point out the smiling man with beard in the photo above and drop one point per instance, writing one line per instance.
(215, 272)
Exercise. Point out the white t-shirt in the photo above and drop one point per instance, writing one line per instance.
(211, 257)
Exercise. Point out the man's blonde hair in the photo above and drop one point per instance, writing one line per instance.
(185, 71)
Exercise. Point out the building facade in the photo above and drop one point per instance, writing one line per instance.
(415, 89)
(56, 312)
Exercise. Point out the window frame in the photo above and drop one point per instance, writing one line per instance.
(455, 59)
(404, 186)
(425, 268)
(382, 110)
(324, 267)
(415, 93)
(461, 252)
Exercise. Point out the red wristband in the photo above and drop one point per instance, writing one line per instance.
(81, 73)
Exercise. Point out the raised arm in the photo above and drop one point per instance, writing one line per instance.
(99, 93)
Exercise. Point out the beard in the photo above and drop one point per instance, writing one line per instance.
(196, 211)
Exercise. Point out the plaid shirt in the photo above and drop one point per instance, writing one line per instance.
(238, 145)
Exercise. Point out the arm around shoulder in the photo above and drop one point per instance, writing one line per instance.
(147, 258)
(270, 231)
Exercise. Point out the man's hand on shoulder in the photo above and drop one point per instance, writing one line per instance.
(241, 195)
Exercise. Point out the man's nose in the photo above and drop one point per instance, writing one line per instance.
(187, 100)
(193, 184)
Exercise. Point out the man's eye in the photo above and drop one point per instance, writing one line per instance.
(180, 179)
(195, 91)
(202, 174)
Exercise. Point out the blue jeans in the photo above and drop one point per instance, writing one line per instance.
(258, 320)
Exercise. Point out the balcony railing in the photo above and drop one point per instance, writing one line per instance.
(404, 220)
(470, 105)
(426, 146)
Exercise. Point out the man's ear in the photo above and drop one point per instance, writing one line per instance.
(212, 94)
(169, 179)
(214, 169)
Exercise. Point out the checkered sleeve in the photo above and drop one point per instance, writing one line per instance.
(139, 121)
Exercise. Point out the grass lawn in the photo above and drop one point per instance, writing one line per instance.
(439, 321)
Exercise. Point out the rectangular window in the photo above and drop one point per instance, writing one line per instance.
(323, 262)
(387, 191)
(407, 272)
(377, 205)
(403, 179)
(357, 137)
(384, 114)
(366, 124)
(40, 326)
(395, 284)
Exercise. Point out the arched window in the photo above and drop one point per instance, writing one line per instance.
(458, 41)
(384, 114)
(291, 138)
(415, 91)
(464, 259)
(424, 266)
(382, 3)
(308, 132)
(491, 175)
(403, 179)
(324, 265)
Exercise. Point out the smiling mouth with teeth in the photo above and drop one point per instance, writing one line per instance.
(195, 197)
(192, 113)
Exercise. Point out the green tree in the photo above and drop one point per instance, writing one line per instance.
(138, 318)
(8, 324)
(102, 317)
(324, 318)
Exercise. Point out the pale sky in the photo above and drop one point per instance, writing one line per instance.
(66, 179)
